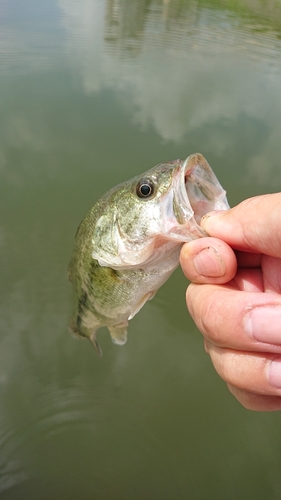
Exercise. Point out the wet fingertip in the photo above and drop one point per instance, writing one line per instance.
(184, 248)
(182, 254)
(186, 252)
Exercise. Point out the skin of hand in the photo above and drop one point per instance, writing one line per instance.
(235, 297)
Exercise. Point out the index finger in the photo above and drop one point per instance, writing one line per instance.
(253, 225)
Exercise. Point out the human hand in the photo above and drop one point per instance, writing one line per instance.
(235, 297)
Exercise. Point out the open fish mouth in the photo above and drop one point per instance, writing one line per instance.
(197, 191)
(202, 188)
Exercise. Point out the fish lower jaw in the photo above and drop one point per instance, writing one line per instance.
(185, 233)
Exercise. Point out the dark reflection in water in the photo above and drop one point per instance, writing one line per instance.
(128, 24)
(92, 93)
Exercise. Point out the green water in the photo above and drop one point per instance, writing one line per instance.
(92, 93)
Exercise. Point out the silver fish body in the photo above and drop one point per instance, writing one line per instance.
(129, 243)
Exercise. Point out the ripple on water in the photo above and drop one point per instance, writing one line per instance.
(44, 415)
(52, 414)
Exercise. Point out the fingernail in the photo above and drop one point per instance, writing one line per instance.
(274, 373)
(206, 217)
(209, 263)
(264, 324)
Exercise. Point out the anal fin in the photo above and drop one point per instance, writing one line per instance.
(119, 333)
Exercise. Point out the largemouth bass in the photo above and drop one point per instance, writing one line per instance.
(129, 243)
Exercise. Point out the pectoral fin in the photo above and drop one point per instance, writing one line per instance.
(140, 304)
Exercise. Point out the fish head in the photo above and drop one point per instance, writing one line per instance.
(154, 212)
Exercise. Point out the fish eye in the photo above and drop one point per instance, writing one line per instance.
(145, 188)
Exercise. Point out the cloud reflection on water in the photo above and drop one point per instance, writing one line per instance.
(182, 67)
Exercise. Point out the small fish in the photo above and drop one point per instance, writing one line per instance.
(129, 243)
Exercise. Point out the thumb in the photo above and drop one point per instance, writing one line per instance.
(253, 225)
